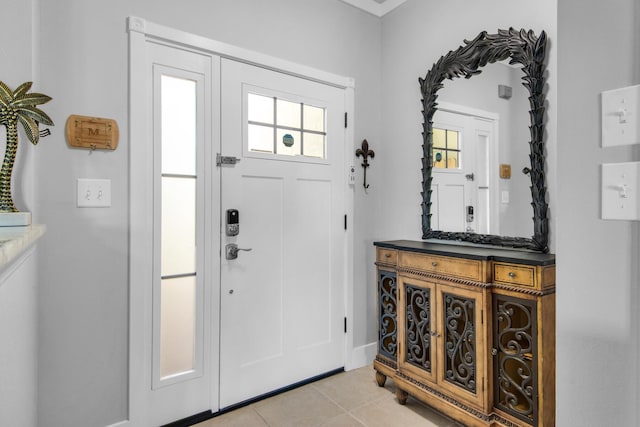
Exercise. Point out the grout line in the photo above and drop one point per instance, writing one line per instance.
(260, 415)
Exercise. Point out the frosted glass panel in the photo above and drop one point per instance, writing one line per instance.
(313, 118)
(286, 137)
(177, 326)
(178, 245)
(260, 138)
(313, 145)
(260, 108)
(288, 114)
(178, 105)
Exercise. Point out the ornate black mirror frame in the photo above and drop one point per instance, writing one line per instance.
(520, 47)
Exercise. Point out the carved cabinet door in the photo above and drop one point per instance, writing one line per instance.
(462, 343)
(418, 332)
(515, 353)
(387, 315)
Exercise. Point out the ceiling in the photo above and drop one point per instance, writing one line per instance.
(378, 8)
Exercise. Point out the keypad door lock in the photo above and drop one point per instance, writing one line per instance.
(232, 222)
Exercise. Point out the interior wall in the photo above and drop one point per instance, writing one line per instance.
(598, 269)
(83, 65)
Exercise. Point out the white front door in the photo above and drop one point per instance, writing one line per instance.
(207, 332)
(462, 145)
(282, 298)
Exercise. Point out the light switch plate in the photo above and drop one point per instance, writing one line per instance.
(620, 185)
(94, 193)
(621, 116)
(504, 197)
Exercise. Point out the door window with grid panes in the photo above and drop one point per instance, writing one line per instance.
(284, 128)
(446, 149)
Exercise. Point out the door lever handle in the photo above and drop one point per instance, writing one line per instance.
(231, 250)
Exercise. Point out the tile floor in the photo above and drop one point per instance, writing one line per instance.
(349, 399)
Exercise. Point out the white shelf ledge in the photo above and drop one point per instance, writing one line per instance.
(14, 241)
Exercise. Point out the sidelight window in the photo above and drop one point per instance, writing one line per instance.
(178, 279)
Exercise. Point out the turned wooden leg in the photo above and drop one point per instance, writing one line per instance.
(402, 396)
(381, 379)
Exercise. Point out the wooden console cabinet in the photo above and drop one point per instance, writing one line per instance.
(469, 331)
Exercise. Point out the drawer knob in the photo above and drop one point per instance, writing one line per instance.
(387, 255)
(434, 264)
(512, 274)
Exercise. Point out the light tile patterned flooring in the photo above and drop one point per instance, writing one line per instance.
(349, 399)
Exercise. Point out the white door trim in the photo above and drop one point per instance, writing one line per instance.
(141, 200)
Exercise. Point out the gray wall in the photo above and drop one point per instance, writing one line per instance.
(598, 261)
(83, 66)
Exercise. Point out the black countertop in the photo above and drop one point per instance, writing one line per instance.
(470, 252)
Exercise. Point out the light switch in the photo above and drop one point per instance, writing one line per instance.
(504, 197)
(94, 193)
(621, 116)
(620, 185)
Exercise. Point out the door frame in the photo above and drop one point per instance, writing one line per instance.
(141, 33)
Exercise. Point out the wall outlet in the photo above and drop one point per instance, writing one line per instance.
(93, 193)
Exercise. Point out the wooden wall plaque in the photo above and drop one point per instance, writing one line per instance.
(93, 133)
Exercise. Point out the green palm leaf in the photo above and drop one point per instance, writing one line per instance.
(6, 96)
(36, 114)
(22, 89)
(30, 99)
(30, 128)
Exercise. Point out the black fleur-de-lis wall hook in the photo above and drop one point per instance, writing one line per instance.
(365, 153)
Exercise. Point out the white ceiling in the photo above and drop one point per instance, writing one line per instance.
(378, 8)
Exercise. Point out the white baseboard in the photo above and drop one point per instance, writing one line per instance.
(362, 356)
(121, 424)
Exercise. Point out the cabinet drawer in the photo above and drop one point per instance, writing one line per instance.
(387, 256)
(512, 274)
(446, 266)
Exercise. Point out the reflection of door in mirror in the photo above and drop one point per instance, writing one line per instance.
(462, 152)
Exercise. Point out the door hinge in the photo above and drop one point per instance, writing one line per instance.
(345, 221)
(345, 120)
(345, 325)
(226, 160)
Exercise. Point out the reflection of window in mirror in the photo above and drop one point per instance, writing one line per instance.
(446, 149)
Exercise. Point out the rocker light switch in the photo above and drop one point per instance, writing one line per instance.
(620, 185)
(621, 116)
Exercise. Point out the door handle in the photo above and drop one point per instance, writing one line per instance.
(231, 250)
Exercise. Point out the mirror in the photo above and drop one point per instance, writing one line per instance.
(526, 51)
